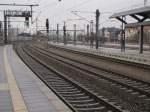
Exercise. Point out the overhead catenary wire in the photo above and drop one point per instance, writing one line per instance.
(40, 1)
(92, 12)
(77, 5)
(60, 13)
(80, 16)
(133, 6)
(81, 4)
(49, 5)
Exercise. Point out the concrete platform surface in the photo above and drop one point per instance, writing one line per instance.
(21, 90)
(5, 98)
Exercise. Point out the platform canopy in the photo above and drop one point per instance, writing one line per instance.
(141, 15)
(144, 12)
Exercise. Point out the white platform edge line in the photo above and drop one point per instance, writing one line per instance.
(17, 99)
(52, 97)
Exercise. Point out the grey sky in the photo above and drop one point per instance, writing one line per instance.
(57, 12)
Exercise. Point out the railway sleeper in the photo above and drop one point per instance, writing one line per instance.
(59, 83)
(53, 77)
(90, 105)
(70, 92)
(98, 109)
(54, 80)
(75, 95)
(86, 101)
(78, 98)
(131, 81)
(64, 88)
(130, 96)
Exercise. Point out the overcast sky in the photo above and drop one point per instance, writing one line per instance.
(58, 12)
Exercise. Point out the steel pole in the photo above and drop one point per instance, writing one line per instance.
(57, 33)
(97, 28)
(5, 28)
(141, 39)
(64, 30)
(75, 34)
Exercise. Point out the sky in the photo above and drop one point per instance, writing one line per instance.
(58, 12)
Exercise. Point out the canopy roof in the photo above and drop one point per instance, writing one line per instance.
(138, 11)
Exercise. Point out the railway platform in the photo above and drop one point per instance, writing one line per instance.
(128, 55)
(21, 90)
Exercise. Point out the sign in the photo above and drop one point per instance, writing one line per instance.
(16, 13)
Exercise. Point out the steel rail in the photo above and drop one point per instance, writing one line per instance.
(96, 74)
(94, 55)
(97, 56)
(113, 108)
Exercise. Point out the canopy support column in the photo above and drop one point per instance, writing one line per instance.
(141, 35)
(123, 35)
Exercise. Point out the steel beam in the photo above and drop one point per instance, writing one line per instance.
(121, 20)
(123, 35)
(135, 17)
(14, 4)
(144, 19)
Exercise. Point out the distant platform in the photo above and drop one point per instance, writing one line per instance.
(21, 90)
(128, 55)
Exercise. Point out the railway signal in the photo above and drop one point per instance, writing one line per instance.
(17, 13)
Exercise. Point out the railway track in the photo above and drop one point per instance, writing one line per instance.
(99, 56)
(77, 97)
(128, 86)
(137, 85)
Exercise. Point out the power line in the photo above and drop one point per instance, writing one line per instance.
(48, 4)
(80, 4)
(83, 3)
(137, 5)
(80, 16)
(82, 11)
(40, 1)
(76, 11)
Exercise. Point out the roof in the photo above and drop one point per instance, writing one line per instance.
(137, 11)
